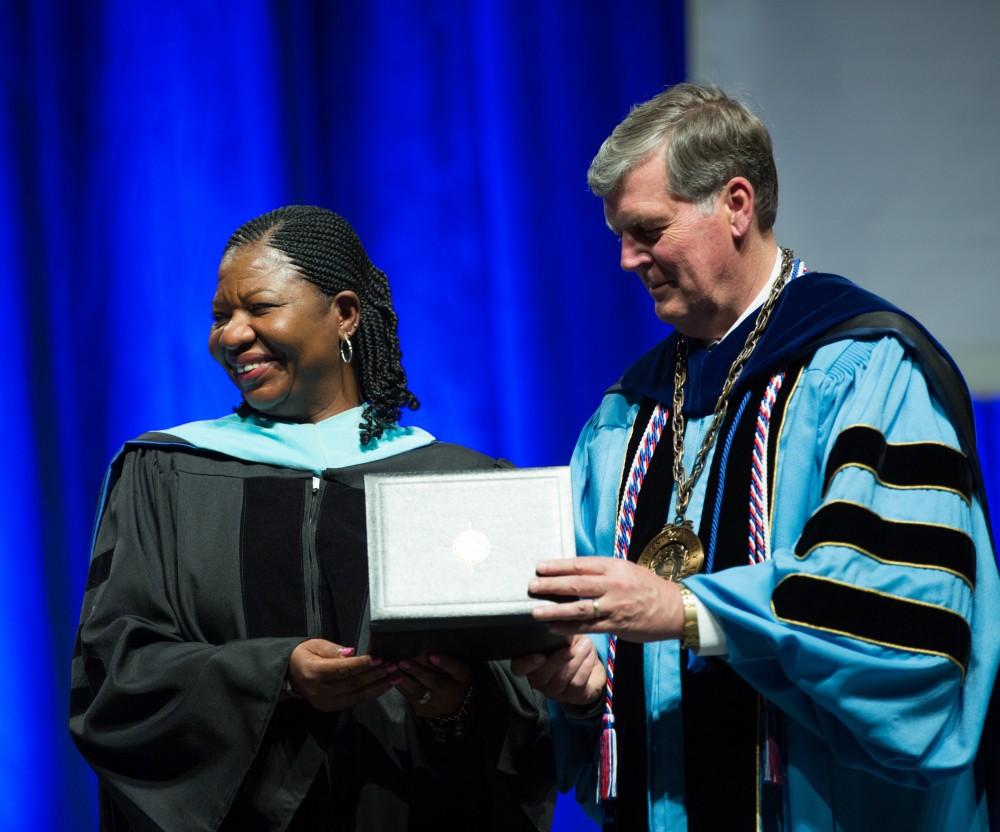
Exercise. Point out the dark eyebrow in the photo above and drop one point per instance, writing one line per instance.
(217, 301)
(633, 222)
(253, 292)
(647, 222)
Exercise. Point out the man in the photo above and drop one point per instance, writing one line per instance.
(798, 627)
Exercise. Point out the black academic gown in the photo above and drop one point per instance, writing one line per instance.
(207, 571)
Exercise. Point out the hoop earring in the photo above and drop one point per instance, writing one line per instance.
(346, 350)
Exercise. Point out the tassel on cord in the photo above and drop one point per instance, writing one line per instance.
(607, 775)
(773, 768)
(607, 769)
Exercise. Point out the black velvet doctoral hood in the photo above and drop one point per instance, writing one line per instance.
(809, 313)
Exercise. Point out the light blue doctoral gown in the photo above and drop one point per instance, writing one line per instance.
(877, 737)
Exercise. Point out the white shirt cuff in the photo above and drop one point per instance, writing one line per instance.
(711, 638)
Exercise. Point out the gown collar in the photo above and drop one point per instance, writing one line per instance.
(809, 306)
(331, 443)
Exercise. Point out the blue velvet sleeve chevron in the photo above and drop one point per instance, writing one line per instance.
(873, 626)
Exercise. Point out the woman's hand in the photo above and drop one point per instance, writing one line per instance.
(434, 685)
(610, 595)
(331, 678)
(573, 675)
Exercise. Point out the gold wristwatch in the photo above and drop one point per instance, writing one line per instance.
(689, 636)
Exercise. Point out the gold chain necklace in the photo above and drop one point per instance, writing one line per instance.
(675, 552)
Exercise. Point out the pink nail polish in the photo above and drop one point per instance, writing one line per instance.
(346, 651)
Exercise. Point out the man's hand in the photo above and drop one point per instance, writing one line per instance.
(610, 595)
(331, 678)
(573, 675)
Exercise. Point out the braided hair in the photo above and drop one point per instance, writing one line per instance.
(326, 251)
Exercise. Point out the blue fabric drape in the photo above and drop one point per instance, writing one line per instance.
(134, 137)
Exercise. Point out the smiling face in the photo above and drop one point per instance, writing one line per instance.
(278, 336)
(686, 255)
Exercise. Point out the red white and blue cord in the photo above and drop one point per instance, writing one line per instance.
(607, 775)
(759, 537)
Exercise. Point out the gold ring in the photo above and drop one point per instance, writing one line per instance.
(596, 608)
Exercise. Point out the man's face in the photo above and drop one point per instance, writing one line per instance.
(680, 250)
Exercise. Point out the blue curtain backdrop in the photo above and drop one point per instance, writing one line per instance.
(134, 137)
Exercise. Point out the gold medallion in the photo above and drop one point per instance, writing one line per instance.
(674, 553)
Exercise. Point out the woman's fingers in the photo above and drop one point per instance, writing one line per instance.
(412, 689)
(330, 671)
(335, 669)
(449, 665)
(336, 696)
(330, 677)
(434, 685)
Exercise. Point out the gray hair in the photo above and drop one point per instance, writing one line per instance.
(707, 138)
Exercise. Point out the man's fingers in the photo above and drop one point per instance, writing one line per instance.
(523, 665)
(572, 566)
(573, 674)
(583, 672)
(577, 585)
(580, 611)
(542, 676)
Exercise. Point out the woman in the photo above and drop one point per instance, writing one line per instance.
(217, 681)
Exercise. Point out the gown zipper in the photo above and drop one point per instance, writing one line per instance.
(311, 573)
